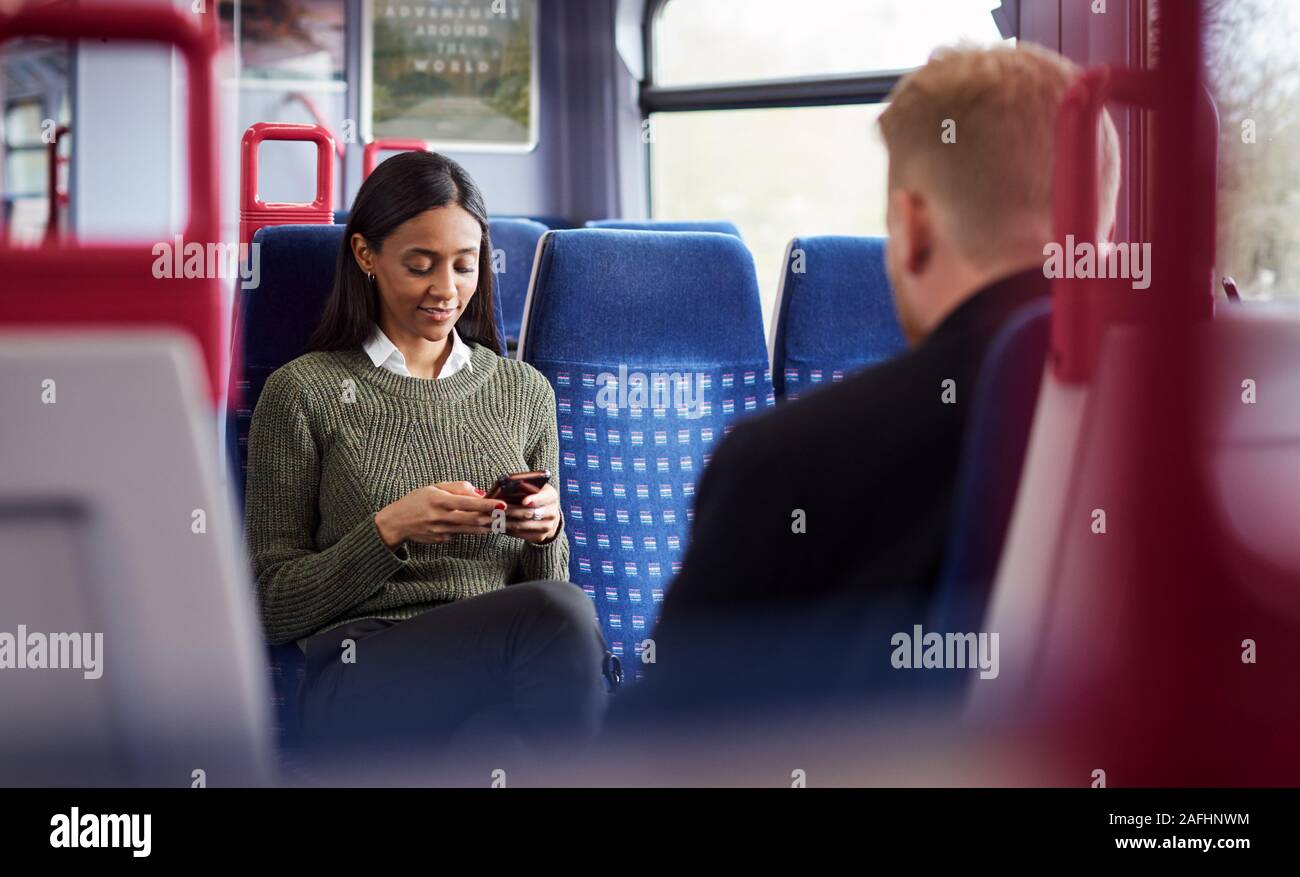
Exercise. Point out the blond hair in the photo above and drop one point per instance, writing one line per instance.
(974, 131)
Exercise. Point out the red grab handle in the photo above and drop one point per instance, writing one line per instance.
(56, 196)
(155, 24)
(1078, 317)
(69, 284)
(255, 213)
(1081, 308)
(370, 155)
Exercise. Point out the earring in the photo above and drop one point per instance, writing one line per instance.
(370, 277)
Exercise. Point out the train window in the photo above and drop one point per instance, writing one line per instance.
(764, 112)
(776, 173)
(717, 41)
(34, 84)
(24, 150)
(1255, 74)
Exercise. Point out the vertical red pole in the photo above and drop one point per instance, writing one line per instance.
(53, 195)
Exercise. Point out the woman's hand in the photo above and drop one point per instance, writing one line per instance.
(537, 518)
(436, 513)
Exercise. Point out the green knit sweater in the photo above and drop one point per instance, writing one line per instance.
(335, 439)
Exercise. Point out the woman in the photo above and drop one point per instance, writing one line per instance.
(373, 543)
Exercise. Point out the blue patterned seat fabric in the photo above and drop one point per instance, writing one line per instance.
(834, 313)
(514, 243)
(653, 343)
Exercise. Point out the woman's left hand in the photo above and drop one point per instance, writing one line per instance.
(537, 518)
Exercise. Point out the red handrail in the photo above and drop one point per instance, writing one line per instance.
(1078, 303)
(1161, 449)
(67, 283)
(370, 155)
(313, 110)
(149, 23)
(254, 213)
(1082, 307)
(56, 196)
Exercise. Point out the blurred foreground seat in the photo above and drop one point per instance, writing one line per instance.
(121, 557)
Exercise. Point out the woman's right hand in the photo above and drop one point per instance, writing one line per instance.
(436, 513)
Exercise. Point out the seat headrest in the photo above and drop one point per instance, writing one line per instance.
(297, 274)
(715, 226)
(516, 240)
(513, 229)
(836, 304)
(548, 221)
(604, 296)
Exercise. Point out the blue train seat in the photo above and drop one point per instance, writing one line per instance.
(834, 313)
(650, 368)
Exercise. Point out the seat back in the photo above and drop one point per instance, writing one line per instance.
(650, 365)
(275, 319)
(717, 227)
(514, 244)
(993, 455)
(834, 312)
(1081, 624)
(114, 525)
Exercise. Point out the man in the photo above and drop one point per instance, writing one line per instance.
(834, 510)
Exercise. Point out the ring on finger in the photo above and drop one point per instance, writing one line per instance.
(538, 513)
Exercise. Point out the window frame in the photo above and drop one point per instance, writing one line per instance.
(788, 92)
(782, 93)
(752, 94)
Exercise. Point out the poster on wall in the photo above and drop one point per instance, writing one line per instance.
(459, 74)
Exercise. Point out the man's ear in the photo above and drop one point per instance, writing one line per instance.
(363, 254)
(912, 230)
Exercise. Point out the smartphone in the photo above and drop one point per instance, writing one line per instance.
(513, 488)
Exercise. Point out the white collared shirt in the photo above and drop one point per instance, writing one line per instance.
(384, 354)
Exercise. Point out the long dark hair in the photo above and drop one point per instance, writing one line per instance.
(402, 187)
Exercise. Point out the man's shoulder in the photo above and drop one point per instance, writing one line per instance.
(887, 415)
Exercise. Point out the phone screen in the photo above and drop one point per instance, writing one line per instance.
(513, 488)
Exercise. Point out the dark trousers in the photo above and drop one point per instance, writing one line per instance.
(520, 664)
